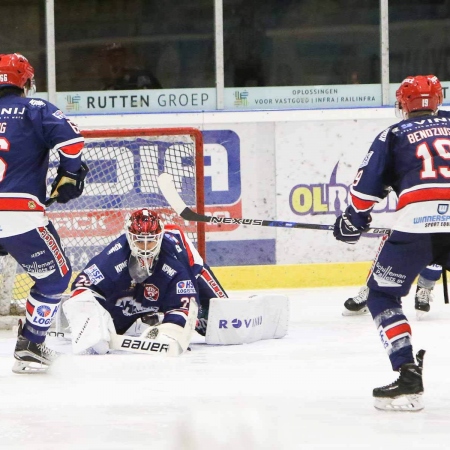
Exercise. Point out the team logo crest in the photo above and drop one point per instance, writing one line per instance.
(151, 292)
(442, 208)
(31, 204)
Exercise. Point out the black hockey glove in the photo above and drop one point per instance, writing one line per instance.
(67, 185)
(350, 225)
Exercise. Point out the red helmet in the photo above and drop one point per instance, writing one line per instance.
(419, 93)
(145, 230)
(15, 70)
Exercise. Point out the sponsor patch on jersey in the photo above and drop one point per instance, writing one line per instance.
(442, 208)
(384, 134)
(151, 292)
(167, 269)
(366, 160)
(117, 247)
(43, 311)
(94, 274)
(185, 287)
(35, 255)
(35, 102)
(385, 277)
(121, 266)
(59, 114)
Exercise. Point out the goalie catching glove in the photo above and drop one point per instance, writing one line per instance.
(350, 225)
(68, 185)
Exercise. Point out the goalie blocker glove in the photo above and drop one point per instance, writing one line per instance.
(350, 225)
(68, 185)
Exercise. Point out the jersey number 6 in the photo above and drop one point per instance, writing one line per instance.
(4, 147)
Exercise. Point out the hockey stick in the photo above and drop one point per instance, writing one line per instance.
(444, 284)
(168, 189)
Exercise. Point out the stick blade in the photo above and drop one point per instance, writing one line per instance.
(168, 189)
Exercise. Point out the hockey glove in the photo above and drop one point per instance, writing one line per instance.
(68, 185)
(350, 225)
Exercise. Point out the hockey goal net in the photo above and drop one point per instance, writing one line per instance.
(124, 166)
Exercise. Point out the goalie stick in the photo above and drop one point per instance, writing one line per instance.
(168, 189)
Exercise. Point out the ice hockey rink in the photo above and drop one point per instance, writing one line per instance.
(309, 390)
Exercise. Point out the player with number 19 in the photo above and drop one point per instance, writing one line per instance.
(413, 158)
(29, 129)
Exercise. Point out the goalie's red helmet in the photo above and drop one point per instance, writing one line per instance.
(145, 230)
(419, 93)
(15, 70)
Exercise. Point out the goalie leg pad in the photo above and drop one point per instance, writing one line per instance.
(245, 320)
(177, 337)
(90, 323)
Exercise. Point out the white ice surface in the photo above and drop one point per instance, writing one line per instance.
(310, 390)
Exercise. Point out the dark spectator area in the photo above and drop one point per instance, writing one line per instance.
(171, 44)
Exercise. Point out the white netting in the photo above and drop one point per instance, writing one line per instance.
(122, 177)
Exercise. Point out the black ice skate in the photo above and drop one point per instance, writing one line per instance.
(31, 357)
(405, 394)
(356, 306)
(422, 301)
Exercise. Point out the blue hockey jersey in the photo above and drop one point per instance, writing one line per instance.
(413, 158)
(170, 288)
(29, 129)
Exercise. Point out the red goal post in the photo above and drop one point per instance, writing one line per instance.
(124, 166)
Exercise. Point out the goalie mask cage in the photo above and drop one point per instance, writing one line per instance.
(124, 166)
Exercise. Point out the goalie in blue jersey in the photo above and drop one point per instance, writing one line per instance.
(151, 272)
(29, 129)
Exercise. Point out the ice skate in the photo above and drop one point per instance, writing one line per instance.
(31, 357)
(357, 306)
(404, 394)
(422, 301)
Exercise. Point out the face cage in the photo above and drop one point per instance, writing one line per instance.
(145, 257)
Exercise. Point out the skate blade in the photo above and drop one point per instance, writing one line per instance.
(408, 403)
(361, 312)
(29, 367)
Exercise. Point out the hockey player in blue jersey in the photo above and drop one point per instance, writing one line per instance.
(149, 269)
(29, 128)
(412, 157)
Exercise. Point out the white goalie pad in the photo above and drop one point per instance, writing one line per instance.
(91, 325)
(245, 320)
(164, 339)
